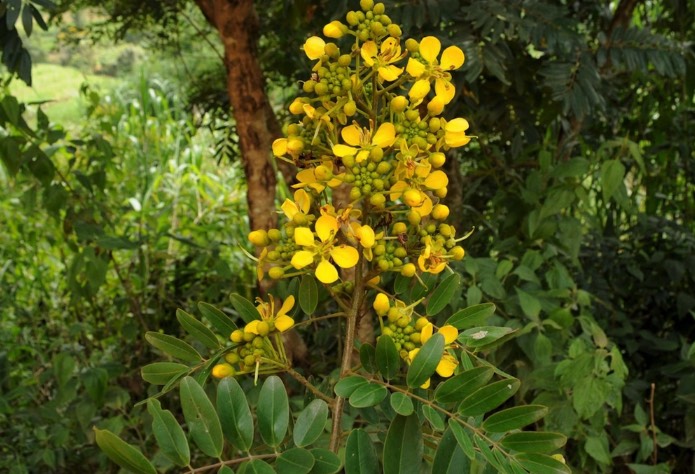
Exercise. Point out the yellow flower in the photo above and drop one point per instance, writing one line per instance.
(323, 250)
(426, 67)
(410, 163)
(318, 178)
(412, 196)
(455, 133)
(366, 140)
(383, 61)
(313, 47)
(300, 205)
(281, 321)
(432, 259)
(448, 363)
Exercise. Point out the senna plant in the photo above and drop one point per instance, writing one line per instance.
(367, 229)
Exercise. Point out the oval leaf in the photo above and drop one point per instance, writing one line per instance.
(346, 386)
(203, 423)
(489, 397)
(434, 417)
(387, 359)
(235, 415)
(198, 330)
(449, 458)
(368, 395)
(462, 438)
(441, 296)
(534, 441)
(160, 373)
(325, 462)
(472, 316)
(460, 386)
(514, 418)
(426, 361)
(401, 403)
(368, 357)
(220, 321)
(475, 338)
(308, 294)
(310, 423)
(542, 464)
(257, 466)
(246, 310)
(360, 455)
(169, 434)
(273, 411)
(122, 453)
(403, 446)
(295, 461)
(173, 346)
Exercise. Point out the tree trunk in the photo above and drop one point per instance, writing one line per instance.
(238, 27)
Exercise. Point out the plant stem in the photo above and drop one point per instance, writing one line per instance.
(352, 316)
(301, 379)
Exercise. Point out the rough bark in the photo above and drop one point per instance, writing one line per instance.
(237, 24)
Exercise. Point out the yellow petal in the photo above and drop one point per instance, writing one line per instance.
(449, 332)
(366, 236)
(429, 48)
(381, 304)
(289, 208)
(412, 354)
(447, 365)
(426, 332)
(436, 105)
(283, 323)
(309, 110)
(368, 52)
(326, 227)
(345, 256)
(458, 125)
(343, 150)
(390, 72)
(455, 140)
(288, 304)
(452, 58)
(304, 237)
(352, 135)
(425, 385)
(420, 89)
(280, 147)
(445, 90)
(391, 48)
(397, 189)
(385, 136)
(334, 29)
(415, 68)
(303, 200)
(362, 155)
(424, 209)
(313, 47)
(252, 327)
(436, 180)
(306, 176)
(326, 272)
(302, 258)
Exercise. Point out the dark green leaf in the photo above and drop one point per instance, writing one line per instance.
(308, 294)
(198, 330)
(273, 411)
(220, 321)
(326, 462)
(475, 338)
(38, 18)
(514, 418)
(403, 447)
(295, 461)
(368, 357)
(360, 455)
(27, 20)
(387, 358)
(434, 417)
(530, 305)
(426, 361)
(247, 311)
(169, 434)
(462, 438)
(347, 385)
(597, 448)
(442, 295)
(401, 403)
(173, 346)
(534, 441)
(201, 418)
(542, 464)
(368, 395)
(462, 385)
(472, 316)
(612, 172)
(401, 284)
(122, 453)
(489, 397)
(257, 466)
(310, 423)
(13, 8)
(235, 415)
(449, 457)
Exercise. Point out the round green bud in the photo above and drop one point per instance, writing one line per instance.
(412, 115)
(393, 315)
(274, 235)
(379, 9)
(366, 5)
(378, 200)
(376, 154)
(394, 30)
(400, 252)
(232, 358)
(352, 18)
(321, 88)
(276, 273)
(258, 340)
(355, 194)
(412, 45)
(414, 218)
(349, 161)
(383, 168)
(237, 336)
(403, 321)
(249, 360)
(385, 20)
(263, 329)
(345, 60)
(421, 323)
(350, 108)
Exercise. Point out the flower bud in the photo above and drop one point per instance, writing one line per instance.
(379, 9)
(394, 30)
(259, 238)
(366, 5)
(457, 253)
(276, 273)
(440, 212)
(237, 336)
(221, 371)
(352, 18)
(381, 304)
(412, 45)
(436, 105)
(408, 270)
(297, 107)
(295, 146)
(334, 29)
(398, 104)
(412, 197)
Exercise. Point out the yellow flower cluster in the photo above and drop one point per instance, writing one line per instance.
(258, 347)
(370, 124)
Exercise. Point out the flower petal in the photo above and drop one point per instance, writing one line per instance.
(343, 150)
(313, 47)
(283, 323)
(303, 200)
(352, 135)
(425, 208)
(280, 147)
(445, 90)
(385, 136)
(306, 176)
(326, 272)
(368, 52)
(302, 258)
(326, 227)
(390, 72)
(304, 237)
(429, 48)
(366, 236)
(288, 304)
(452, 58)
(447, 365)
(289, 208)
(426, 332)
(415, 68)
(419, 90)
(252, 327)
(345, 256)
(457, 125)
(436, 180)
(449, 332)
